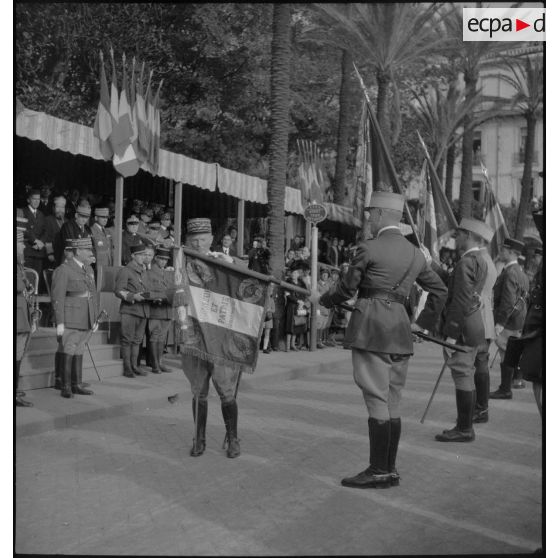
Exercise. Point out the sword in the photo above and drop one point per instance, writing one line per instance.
(102, 313)
(433, 392)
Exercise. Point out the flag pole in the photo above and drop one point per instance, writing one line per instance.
(436, 181)
(388, 158)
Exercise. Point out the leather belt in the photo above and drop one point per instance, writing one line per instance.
(78, 294)
(382, 294)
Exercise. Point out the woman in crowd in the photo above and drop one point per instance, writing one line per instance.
(322, 317)
(296, 315)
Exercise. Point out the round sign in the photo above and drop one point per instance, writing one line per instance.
(315, 213)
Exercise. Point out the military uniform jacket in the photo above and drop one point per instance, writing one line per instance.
(68, 281)
(161, 286)
(377, 324)
(462, 316)
(52, 235)
(130, 280)
(129, 239)
(486, 296)
(102, 245)
(23, 319)
(510, 291)
(70, 229)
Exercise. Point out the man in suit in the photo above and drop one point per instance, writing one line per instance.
(23, 314)
(226, 246)
(102, 240)
(74, 228)
(130, 237)
(75, 304)
(510, 309)
(463, 323)
(162, 289)
(53, 225)
(132, 288)
(482, 373)
(35, 249)
(379, 332)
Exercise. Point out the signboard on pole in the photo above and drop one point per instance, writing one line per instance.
(315, 213)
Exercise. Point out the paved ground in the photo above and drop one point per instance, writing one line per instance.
(124, 483)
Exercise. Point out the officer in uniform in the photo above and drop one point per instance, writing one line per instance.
(162, 289)
(510, 309)
(102, 240)
(482, 373)
(23, 318)
(53, 225)
(198, 371)
(130, 237)
(463, 323)
(74, 228)
(131, 287)
(75, 305)
(379, 332)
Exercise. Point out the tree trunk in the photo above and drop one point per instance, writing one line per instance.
(466, 185)
(343, 128)
(450, 163)
(527, 180)
(277, 183)
(383, 79)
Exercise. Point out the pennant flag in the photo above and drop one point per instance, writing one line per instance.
(113, 105)
(225, 313)
(494, 217)
(125, 161)
(363, 168)
(141, 122)
(103, 121)
(311, 172)
(150, 116)
(155, 131)
(133, 98)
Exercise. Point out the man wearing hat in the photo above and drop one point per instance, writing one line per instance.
(53, 225)
(101, 238)
(162, 289)
(131, 286)
(130, 237)
(23, 314)
(74, 228)
(199, 372)
(75, 304)
(510, 309)
(34, 237)
(379, 332)
(463, 323)
(146, 216)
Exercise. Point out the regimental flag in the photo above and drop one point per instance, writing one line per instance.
(141, 121)
(311, 173)
(225, 313)
(437, 219)
(493, 216)
(103, 121)
(125, 160)
(363, 168)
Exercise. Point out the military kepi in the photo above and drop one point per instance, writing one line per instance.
(387, 200)
(79, 243)
(513, 244)
(198, 226)
(478, 227)
(101, 212)
(137, 248)
(162, 253)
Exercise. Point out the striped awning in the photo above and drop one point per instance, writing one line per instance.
(241, 186)
(77, 139)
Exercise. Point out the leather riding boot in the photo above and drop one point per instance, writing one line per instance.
(504, 391)
(518, 382)
(154, 357)
(161, 352)
(230, 416)
(57, 367)
(134, 361)
(19, 401)
(66, 375)
(482, 386)
(198, 446)
(463, 430)
(77, 372)
(377, 474)
(394, 435)
(126, 361)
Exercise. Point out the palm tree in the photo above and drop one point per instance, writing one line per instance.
(390, 36)
(527, 79)
(277, 181)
